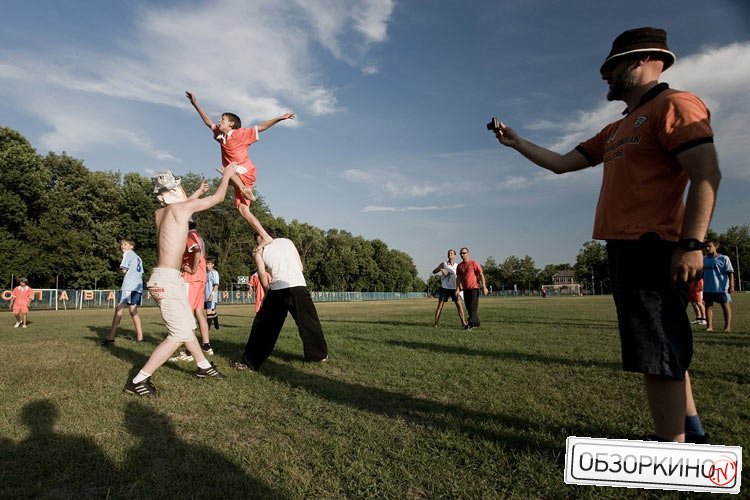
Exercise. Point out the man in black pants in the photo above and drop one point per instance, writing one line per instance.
(287, 292)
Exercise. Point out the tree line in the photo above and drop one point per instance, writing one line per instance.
(591, 268)
(63, 223)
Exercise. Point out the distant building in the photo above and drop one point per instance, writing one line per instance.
(564, 283)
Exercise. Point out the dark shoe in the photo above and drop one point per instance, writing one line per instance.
(211, 372)
(695, 439)
(207, 350)
(107, 342)
(242, 366)
(143, 388)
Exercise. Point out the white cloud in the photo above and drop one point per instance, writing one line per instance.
(411, 208)
(253, 57)
(719, 75)
(390, 183)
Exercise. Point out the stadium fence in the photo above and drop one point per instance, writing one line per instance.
(64, 299)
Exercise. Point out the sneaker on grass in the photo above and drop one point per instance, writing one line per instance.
(242, 366)
(211, 372)
(143, 388)
(207, 350)
(18, 323)
(182, 356)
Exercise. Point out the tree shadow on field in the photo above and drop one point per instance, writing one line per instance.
(163, 466)
(598, 324)
(510, 430)
(48, 464)
(379, 322)
(124, 335)
(505, 355)
(722, 339)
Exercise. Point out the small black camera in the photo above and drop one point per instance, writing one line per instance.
(494, 125)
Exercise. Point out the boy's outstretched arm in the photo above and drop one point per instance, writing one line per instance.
(203, 115)
(273, 121)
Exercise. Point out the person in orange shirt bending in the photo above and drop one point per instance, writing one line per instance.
(234, 141)
(19, 302)
(258, 289)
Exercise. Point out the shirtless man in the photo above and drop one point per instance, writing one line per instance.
(166, 285)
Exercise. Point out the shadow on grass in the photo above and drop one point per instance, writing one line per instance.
(135, 358)
(380, 322)
(565, 323)
(489, 324)
(722, 339)
(50, 464)
(511, 431)
(504, 355)
(159, 465)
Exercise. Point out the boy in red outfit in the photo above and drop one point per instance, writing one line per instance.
(20, 299)
(234, 141)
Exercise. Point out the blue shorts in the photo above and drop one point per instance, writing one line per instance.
(131, 298)
(718, 297)
(446, 294)
(209, 305)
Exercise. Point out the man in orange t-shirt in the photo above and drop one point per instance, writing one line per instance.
(258, 289)
(654, 238)
(470, 277)
(20, 299)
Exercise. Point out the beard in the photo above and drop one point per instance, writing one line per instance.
(624, 82)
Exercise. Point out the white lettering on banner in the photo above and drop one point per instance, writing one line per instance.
(653, 465)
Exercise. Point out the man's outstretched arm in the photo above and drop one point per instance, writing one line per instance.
(554, 162)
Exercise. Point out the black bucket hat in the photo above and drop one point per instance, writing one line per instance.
(640, 40)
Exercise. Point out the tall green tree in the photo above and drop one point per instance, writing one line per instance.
(591, 267)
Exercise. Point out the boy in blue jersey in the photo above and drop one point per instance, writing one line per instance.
(718, 285)
(131, 291)
(212, 293)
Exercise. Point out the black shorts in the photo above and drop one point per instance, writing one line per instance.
(655, 333)
(446, 294)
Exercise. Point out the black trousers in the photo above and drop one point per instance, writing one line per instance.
(471, 297)
(655, 333)
(270, 319)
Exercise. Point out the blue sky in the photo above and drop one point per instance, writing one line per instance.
(392, 98)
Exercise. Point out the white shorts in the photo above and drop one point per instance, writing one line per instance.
(168, 290)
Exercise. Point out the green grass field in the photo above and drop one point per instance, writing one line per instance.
(403, 410)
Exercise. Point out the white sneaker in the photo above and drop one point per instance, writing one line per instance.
(18, 323)
(23, 326)
(181, 357)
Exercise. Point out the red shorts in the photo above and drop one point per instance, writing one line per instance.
(695, 296)
(20, 309)
(196, 294)
(248, 180)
